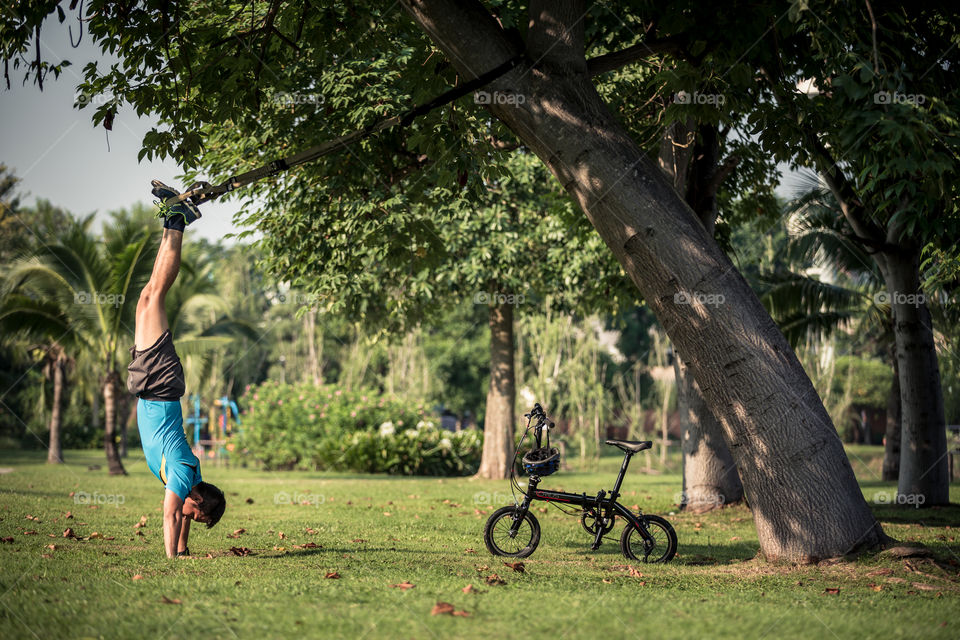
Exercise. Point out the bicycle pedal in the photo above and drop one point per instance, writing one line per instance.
(595, 546)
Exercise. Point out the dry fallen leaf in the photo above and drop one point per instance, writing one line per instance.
(634, 572)
(311, 532)
(832, 590)
(282, 535)
(307, 545)
(358, 540)
(68, 533)
(166, 600)
(494, 579)
(7, 539)
(34, 518)
(94, 535)
(876, 587)
(469, 589)
(52, 547)
(137, 577)
(606, 580)
(469, 550)
(249, 500)
(333, 575)
(403, 585)
(240, 551)
(142, 523)
(30, 533)
(516, 566)
(442, 608)
(462, 614)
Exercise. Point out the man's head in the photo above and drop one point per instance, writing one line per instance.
(205, 504)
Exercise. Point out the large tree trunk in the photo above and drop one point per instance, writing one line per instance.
(691, 160)
(59, 364)
(499, 420)
(923, 479)
(114, 465)
(805, 499)
(710, 478)
(891, 447)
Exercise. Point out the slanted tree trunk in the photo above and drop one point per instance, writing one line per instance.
(923, 478)
(891, 447)
(710, 478)
(110, 384)
(805, 499)
(691, 160)
(498, 423)
(58, 364)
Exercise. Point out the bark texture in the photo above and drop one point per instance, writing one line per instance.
(923, 477)
(710, 477)
(110, 385)
(498, 423)
(805, 499)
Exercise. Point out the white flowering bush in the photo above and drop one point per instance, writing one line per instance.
(307, 427)
(425, 450)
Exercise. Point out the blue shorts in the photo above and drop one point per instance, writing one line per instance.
(165, 445)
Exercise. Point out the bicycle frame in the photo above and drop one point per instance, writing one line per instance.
(606, 506)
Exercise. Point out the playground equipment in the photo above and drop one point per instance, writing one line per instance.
(212, 443)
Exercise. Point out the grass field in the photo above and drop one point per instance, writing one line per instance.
(374, 532)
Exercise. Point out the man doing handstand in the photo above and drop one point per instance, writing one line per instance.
(155, 376)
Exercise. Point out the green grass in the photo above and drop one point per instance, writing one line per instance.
(432, 538)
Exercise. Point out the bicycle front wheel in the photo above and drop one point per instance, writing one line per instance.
(661, 547)
(496, 534)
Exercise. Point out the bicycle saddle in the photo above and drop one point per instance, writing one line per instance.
(631, 446)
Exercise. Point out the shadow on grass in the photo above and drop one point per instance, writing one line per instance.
(687, 554)
(931, 517)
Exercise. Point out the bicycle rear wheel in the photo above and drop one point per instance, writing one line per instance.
(661, 547)
(496, 534)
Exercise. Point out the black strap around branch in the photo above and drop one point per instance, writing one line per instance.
(207, 192)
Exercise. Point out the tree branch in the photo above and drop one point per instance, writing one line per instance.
(635, 53)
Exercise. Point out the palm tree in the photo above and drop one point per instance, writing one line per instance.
(85, 291)
(808, 308)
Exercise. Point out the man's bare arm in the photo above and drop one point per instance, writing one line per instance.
(172, 522)
(184, 535)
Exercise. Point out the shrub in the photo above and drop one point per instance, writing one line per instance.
(307, 427)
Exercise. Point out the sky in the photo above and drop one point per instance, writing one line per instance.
(58, 155)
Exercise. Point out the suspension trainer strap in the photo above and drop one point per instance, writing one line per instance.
(207, 192)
